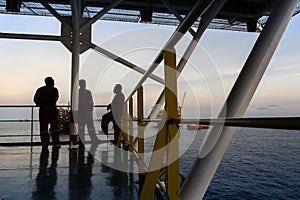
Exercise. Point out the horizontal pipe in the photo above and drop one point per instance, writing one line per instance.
(18, 120)
(30, 144)
(33, 37)
(29, 106)
(288, 123)
(10, 136)
(29, 120)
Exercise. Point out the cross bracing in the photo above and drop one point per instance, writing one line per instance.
(235, 15)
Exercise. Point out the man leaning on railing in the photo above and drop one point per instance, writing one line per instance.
(46, 98)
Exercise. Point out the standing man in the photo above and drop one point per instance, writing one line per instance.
(46, 98)
(85, 113)
(115, 114)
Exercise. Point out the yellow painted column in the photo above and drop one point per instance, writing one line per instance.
(130, 124)
(171, 105)
(155, 166)
(124, 131)
(140, 100)
(140, 115)
(168, 135)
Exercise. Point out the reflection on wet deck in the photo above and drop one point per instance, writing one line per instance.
(32, 173)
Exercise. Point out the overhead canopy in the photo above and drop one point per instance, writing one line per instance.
(239, 15)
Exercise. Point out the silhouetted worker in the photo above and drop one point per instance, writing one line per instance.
(115, 114)
(46, 98)
(85, 113)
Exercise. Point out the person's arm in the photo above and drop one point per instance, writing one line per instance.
(56, 95)
(36, 98)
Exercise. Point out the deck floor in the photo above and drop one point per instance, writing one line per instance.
(28, 172)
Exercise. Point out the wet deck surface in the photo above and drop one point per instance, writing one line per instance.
(32, 173)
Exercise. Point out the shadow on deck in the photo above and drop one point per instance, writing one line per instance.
(29, 172)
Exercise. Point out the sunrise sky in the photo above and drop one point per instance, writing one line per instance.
(207, 79)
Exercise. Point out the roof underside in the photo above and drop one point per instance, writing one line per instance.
(233, 16)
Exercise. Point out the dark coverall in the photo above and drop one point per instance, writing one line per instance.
(85, 115)
(46, 98)
(115, 115)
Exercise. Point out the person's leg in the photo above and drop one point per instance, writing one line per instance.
(44, 135)
(106, 119)
(117, 130)
(81, 127)
(54, 126)
(91, 128)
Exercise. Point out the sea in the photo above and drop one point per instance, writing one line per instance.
(258, 164)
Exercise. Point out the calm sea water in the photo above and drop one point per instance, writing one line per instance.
(259, 163)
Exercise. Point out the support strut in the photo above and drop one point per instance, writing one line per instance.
(218, 139)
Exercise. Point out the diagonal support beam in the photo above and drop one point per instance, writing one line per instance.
(53, 12)
(99, 15)
(204, 22)
(198, 9)
(218, 139)
(177, 15)
(122, 61)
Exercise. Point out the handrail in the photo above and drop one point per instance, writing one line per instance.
(287, 123)
(25, 106)
(31, 120)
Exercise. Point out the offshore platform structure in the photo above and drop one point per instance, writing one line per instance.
(269, 17)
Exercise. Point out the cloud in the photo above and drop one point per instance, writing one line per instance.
(293, 74)
(290, 71)
(263, 108)
(272, 105)
(267, 107)
(292, 67)
(232, 73)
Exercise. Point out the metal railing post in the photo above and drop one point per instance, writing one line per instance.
(130, 124)
(124, 132)
(140, 138)
(31, 131)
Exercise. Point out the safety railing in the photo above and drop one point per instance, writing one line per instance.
(31, 119)
(136, 145)
(167, 136)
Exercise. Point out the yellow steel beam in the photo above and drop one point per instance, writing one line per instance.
(130, 124)
(140, 115)
(167, 135)
(140, 97)
(173, 177)
(125, 125)
(154, 166)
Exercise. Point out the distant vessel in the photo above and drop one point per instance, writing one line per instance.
(196, 127)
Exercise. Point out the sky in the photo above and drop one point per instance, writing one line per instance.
(206, 80)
